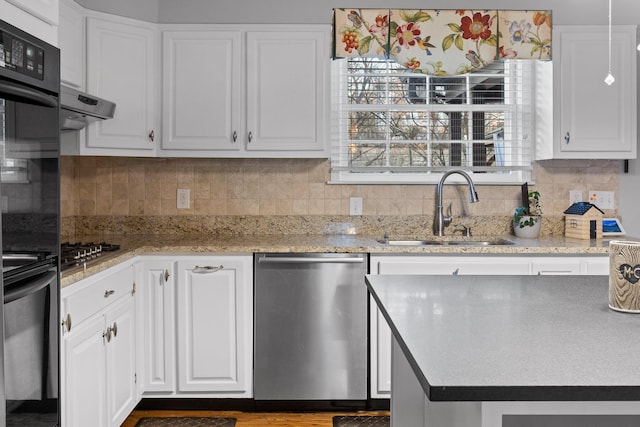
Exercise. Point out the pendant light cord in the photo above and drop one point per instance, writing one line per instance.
(609, 36)
(609, 79)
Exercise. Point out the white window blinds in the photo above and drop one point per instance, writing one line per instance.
(392, 125)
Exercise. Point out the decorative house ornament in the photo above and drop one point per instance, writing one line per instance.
(442, 42)
(583, 220)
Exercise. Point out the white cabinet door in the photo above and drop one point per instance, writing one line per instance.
(593, 119)
(45, 10)
(379, 353)
(84, 383)
(553, 266)
(286, 91)
(121, 68)
(250, 91)
(36, 17)
(449, 265)
(71, 40)
(201, 91)
(214, 301)
(158, 325)
(121, 360)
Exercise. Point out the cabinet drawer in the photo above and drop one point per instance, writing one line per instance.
(95, 294)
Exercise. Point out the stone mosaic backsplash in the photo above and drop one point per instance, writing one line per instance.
(292, 196)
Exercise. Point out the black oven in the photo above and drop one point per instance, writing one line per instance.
(30, 204)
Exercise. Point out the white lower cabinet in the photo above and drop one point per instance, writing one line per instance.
(215, 325)
(157, 325)
(203, 348)
(98, 352)
(380, 334)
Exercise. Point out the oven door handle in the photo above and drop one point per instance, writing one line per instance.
(25, 94)
(30, 287)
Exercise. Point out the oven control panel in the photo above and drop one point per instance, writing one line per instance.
(21, 56)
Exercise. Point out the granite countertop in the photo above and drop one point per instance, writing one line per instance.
(133, 245)
(482, 338)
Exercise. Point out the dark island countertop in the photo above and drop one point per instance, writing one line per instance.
(501, 338)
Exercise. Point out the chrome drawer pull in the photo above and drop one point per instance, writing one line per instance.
(166, 275)
(207, 269)
(107, 294)
(66, 322)
(107, 334)
(114, 329)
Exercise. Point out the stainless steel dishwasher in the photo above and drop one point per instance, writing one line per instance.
(310, 327)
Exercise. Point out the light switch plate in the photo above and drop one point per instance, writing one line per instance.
(575, 196)
(602, 199)
(183, 198)
(355, 206)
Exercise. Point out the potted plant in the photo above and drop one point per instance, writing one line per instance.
(527, 220)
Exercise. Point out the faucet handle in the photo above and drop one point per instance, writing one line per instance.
(446, 219)
(466, 229)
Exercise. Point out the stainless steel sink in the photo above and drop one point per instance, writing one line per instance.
(449, 242)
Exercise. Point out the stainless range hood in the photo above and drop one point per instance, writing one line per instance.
(77, 109)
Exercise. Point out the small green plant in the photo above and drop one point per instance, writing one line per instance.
(533, 210)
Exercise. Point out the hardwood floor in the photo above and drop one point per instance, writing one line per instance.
(254, 419)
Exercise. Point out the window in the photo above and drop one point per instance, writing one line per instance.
(393, 125)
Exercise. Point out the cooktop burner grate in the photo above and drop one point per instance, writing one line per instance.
(81, 253)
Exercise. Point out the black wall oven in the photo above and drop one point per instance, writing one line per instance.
(30, 204)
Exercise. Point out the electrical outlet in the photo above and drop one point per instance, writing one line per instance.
(602, 199)
(575, 196)
(183, 198)
(355, 206)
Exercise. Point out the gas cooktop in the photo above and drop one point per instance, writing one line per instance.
(83, 253)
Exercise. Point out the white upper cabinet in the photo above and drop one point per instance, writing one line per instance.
(71, 39)
(259, 91)
(286, 92)
(121, 67)
(37, 17)
(201, 91)
(593, 120)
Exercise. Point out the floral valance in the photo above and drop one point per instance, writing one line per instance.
(442, 42)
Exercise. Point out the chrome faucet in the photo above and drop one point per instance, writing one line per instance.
(441, 221)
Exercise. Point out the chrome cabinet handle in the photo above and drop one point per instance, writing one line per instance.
(152, 135)
(235, 136)
(107, 334)
(66, 322)
(250, 136)
(567, 137)
(114, 329)
(108, 293)
(207, 269)
(166, 275)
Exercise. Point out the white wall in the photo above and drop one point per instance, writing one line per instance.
(566, 12)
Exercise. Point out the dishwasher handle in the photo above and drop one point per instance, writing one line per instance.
(310, 260)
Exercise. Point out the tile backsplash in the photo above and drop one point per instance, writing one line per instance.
(123, 186)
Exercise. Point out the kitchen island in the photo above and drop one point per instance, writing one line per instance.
(473, 351)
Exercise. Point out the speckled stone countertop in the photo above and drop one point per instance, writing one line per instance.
(133, 245)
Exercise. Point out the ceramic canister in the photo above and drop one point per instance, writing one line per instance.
(624, 276)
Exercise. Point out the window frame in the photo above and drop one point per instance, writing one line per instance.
(524, 112)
